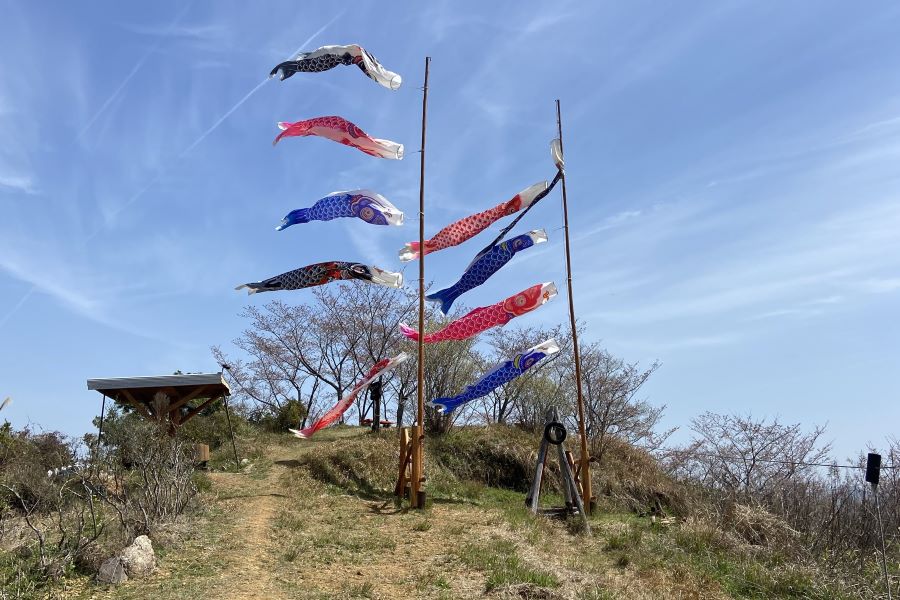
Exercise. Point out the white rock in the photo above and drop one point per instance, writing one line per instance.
(139, 558)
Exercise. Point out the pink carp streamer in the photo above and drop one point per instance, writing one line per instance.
(379, 369)
(458, 232)
(341, 130)
(495, 315)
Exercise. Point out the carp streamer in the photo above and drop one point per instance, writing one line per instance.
(487, 317)
(367, 205)
(322, 273)
(486, 265)
(328, 57)
(460, 231)
(380, 368)
(499, 375)
(339, 129)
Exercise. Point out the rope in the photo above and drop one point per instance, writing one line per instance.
(507, 229)
(770, 461)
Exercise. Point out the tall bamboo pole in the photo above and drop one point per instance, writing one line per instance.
(585, 475)
(417, 496)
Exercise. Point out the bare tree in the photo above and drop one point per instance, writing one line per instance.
(751, 459)
(612, 406)
(366, 320)
(292, 351)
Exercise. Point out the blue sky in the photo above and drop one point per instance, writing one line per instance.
(732, 167)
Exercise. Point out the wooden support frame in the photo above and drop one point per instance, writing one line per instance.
(187, 398)
(571, 491)
(139, 406)
(400, 490)
(200, 407)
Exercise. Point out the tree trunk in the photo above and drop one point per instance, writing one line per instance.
(375, 396)
(401, 408)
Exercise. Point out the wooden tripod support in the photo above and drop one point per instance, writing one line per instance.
(555, 435)
(410, 471)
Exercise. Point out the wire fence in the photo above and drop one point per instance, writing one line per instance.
(795, 463)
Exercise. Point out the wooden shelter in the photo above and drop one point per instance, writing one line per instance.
(176, 398)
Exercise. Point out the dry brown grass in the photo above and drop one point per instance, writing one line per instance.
(319, 522)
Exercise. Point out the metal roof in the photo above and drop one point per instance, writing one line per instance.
(158, 381)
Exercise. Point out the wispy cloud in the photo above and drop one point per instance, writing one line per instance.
(836, 254)
(17, 183)
(249, 94)
(882, 285)
(668, 344)
(134, 71)
(75, 298)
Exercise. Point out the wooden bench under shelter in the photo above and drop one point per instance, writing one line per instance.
(384, 423)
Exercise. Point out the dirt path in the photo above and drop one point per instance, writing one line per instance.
(278, 531)
(250, 505)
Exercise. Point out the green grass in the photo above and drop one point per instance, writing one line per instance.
(432, 579)
(363, 590)
(596, 593)
(698, 554)
(191, 565)
(422, 526)
(500, 562)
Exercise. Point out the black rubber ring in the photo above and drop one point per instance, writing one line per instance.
(555, 433)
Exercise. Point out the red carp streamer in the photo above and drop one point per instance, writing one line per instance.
(458, 232)
(380, 368)
(484, 318)
(341, 130)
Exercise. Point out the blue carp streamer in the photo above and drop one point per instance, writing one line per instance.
(367, 205)
(485, 265)
(499, 375)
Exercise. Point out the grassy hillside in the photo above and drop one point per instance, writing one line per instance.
(316, 519)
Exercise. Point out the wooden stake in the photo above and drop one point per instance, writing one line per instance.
(417, 495)
(404, 462)
(585, 471)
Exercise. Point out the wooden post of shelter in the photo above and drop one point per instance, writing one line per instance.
(99, 433)
(417, 494)
(585, 459)
(237, 462)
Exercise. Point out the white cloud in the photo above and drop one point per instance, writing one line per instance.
(17, 183)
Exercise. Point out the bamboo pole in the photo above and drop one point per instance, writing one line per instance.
(586, 492)
(417, 496)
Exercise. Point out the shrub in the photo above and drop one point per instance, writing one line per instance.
(146, 475)
(289, 415)
(25, 458)
(212, 429)
(58, 513)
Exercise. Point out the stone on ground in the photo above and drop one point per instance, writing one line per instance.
(139, 558)
(112, 571)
